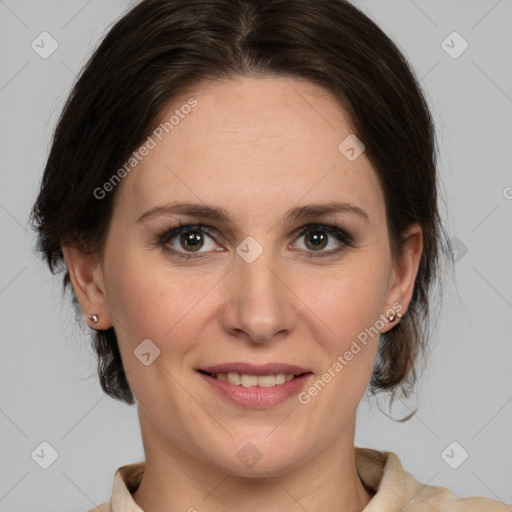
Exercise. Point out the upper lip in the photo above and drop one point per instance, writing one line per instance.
(254, 369)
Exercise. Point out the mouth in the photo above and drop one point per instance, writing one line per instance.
(253, 386)
(248, 380)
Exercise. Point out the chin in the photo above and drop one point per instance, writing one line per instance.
(259, 457)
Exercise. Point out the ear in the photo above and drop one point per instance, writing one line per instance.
(87, 280)
(405, 270)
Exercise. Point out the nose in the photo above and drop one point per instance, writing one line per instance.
(260, 305)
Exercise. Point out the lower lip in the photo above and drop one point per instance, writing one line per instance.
(255, 396)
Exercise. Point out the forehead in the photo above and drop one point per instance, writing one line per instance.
(251, 143)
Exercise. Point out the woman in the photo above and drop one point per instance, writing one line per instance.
(244, 195)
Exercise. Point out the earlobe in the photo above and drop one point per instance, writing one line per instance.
(405, 268)
(87, 279)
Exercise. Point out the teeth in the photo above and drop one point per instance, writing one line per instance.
(280, 378)
(249, 380)
(234, 378)
(264, 381)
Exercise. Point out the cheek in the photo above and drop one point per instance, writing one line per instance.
(354, 300)
(153, 301)
(351, 321)
(351, 316)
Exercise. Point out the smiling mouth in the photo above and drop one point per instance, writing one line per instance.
(248, 380)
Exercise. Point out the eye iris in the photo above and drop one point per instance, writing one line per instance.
(318, 240)
(192, 240)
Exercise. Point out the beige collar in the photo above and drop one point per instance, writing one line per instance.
(382, 473)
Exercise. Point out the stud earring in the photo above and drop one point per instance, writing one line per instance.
(392, 316)
(93, 318)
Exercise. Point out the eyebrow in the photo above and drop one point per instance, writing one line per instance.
(222, 215)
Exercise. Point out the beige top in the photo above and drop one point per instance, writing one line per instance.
(395, 489)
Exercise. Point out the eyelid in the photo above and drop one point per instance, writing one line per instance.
(333, 229)
(174, 231)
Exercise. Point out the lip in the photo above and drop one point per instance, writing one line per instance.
(256, 397)
(253, 369)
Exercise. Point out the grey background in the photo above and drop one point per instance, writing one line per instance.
(48, 385)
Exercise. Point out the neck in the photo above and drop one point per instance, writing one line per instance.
(174, 480)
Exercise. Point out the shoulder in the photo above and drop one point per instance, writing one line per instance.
(104, 507)
(126, 480)
(396, 489)
(440, 499)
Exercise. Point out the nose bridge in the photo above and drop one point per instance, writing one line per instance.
(261, 304)
(260, 278)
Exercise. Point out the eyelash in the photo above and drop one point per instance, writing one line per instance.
(163, 238)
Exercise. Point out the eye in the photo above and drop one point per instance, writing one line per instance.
(184, 241)
(317, 237)
(194, 241)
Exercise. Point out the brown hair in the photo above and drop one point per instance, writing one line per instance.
(162, 48)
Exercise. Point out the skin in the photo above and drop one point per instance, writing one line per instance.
(256, 147)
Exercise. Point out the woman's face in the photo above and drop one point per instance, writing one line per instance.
(250, 293)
